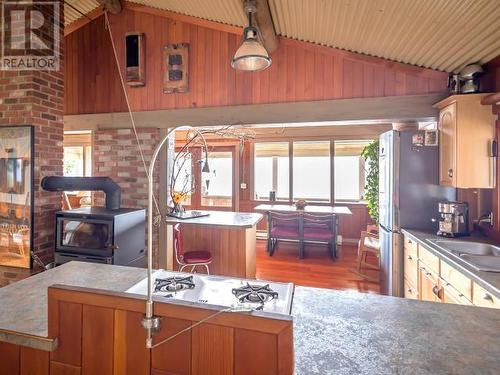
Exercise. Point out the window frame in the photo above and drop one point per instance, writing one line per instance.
(290, 142)
(252, 171)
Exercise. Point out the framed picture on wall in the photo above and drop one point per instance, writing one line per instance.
(16, 196)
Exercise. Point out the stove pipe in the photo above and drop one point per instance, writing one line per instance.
(107, 185)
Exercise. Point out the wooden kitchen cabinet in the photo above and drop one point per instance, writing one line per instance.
(451, 295)
(428, 284)
(466, 132)
(483, 298)
(429, 278)
(410, 290)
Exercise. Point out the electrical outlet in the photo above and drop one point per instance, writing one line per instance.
(243, 185)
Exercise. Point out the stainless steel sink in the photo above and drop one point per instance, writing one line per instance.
(481, 256)
(471, 248)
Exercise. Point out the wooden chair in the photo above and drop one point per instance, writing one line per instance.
(319, 228)
(368, 244)
(191, 259)
(282, 226)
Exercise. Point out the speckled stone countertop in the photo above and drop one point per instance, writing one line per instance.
(353, 333)
(335, 332)
(23, 304)
(488, 280)
(221, 219)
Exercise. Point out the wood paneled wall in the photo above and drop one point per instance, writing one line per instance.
(101, 334)
(300, 71)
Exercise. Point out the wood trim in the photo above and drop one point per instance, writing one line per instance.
(378, 110)
(213, 25)
(79, 23)
(136, 303)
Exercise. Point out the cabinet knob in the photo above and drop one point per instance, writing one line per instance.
(487, 297)
(409, 257)
(450, 172)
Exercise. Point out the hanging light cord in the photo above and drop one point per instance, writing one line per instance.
(131, 115)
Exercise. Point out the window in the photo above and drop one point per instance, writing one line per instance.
(349, 167)
(217, 185)
(311, 171)
(271, 170)
(311, 168)
(77, 161)
(183, 172)
(207, 189)
(73, 161)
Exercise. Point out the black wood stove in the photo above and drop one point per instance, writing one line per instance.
(110, 234)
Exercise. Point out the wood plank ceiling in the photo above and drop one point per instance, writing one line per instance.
(443, 35)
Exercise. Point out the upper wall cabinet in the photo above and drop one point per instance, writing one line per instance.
(467, 132)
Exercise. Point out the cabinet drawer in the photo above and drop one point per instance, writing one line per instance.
(429, 259)
(451, 295)
(411, 291)
(428, 284)
(411, 246)
(410, 266)
(457, 279)
(483, 298)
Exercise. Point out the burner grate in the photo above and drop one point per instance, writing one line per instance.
(255, 294)
(174, 284)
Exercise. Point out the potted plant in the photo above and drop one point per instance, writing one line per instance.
(371, 154)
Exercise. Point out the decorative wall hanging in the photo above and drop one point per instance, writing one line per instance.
(176, 72)
(135, 64)
(16, 196)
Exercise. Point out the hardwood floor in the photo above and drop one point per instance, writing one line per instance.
(316, 270)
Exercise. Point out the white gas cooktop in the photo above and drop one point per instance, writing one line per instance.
(261, 295)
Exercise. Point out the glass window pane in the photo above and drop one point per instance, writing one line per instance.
(271, 170)
(73, 161)
(183, 172)
(311, 171)
(217, 185)
(349, 170)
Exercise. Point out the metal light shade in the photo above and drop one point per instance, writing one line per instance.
(206, 168)
(251, 55)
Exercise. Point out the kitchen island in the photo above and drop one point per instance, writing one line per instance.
(334, 332)
(229, 236)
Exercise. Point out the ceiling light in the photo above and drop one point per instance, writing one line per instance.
(251, 56)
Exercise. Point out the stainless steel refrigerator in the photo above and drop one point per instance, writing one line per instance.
(409, 193)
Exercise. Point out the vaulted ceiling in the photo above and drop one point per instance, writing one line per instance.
(444, 35)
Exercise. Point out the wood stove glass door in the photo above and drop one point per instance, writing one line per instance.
(85, 235)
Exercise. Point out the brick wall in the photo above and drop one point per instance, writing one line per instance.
(116, 155)
(36, 98)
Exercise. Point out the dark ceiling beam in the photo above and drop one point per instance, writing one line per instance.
(112, 6)
(264, 22)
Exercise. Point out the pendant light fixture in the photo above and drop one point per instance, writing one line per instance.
(251, 56)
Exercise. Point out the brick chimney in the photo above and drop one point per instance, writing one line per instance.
(35, 97)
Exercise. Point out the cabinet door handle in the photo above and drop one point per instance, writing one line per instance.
(487, 297)
(450, 172)
(409, 257)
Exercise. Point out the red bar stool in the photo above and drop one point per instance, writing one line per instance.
(191, 259)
